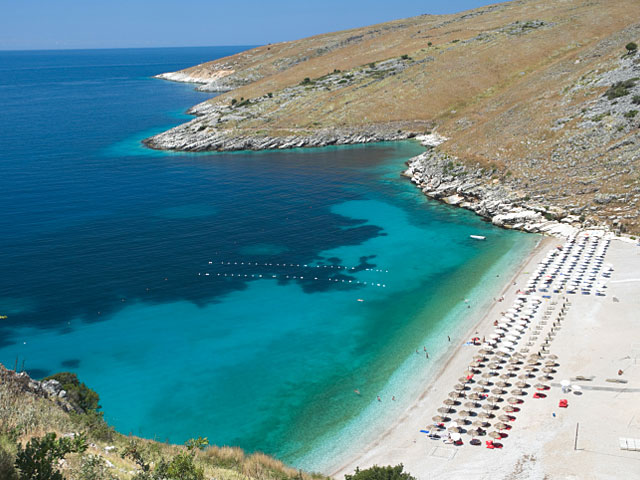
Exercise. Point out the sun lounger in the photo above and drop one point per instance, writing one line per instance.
(616, 380)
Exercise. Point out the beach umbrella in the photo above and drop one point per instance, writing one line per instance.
(499, 426)
(550, 363)
(470, 405)
(517, 391)
(508, 408)
(479, 358)
(459, 387)
(540, 386)
(485, 375)
(513, 368)
(505, 418)
(474, 396)
(480, 424)
(488, 406)
(495, 435)
(552, 357)
(545, 377)
(548, 370)
(464, 379)
(455, 429)
(474, 364)
(454, 394)
(439, 419)
(530, 368)
(485, 414)
(464, 413)
(485, 351)
(522, 384)
(497, 391)
(502, 384)
(449, 402)
(494, 366)
(512, 337)
(473, 432)
(513, 400)
(445, 410)
(493, 399)
(506, 376)
(525, 376)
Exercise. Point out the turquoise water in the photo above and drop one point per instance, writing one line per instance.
(326, 269)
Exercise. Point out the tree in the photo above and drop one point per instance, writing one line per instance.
(38, 460)
(631, 47)
(381, 473)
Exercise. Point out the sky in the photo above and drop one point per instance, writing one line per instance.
(61, 24)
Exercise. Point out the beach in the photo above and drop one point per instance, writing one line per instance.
(593, 340)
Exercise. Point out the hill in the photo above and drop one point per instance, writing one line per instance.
(541, 96)
(30, 409)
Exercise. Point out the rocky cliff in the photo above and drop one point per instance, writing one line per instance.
(544, 95)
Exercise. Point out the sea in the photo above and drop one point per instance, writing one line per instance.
(260, 299)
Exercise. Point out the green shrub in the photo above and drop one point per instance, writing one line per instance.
(94, 467)
(78, 394)
(636, 100)
(631, 47)
(381, 473)
(619, 89)
(631, 113)
(306, 81)
(39, 459)
(429, 44)
(405, 57)
(8, 448)
(233, 101)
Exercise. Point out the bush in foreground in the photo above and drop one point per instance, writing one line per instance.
(381, 473)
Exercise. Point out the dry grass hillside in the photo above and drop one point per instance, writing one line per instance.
(28, 410)
(516, 86)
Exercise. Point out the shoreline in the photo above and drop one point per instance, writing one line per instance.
(361, 452)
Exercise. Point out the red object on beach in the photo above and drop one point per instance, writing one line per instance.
(469, 377)
(539, 395)
(563, 403)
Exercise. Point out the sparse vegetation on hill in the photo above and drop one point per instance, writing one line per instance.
(43, 437)
(515, 84)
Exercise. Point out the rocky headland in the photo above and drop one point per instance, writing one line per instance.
(538, 102)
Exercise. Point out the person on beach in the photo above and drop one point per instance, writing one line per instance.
(448, 338)
(357, 391)
(426, 353)
(379, 398)
(393, 398)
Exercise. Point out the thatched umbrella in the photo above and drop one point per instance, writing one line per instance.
(473, 432)
(479, 358)
(471, 405)
(485, 351)
(464, 413)
(440, 419)
(513, 368)
(495, 435)
(502, 384)
(552, 357)
(500, 426)
(494, 366)
(505, 418)
(459, 387)
(545, 377)
(530, 368)
(454, 394)
(548, 370)
(485, 382)
(513, 400)
(449, 402)
(445, 410)
(509, 408)
(550, 363)
(485, 415)
(522, 384)
(526, 376)
(517, 391)
(486, 375)
(474, 396)
(474, 364)
(480, 424)
(488, 406)
(493, 399)
(455, 429)
(498, 391)
(478, 389)
(540, 386)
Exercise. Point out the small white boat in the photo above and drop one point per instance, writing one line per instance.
(478, 237)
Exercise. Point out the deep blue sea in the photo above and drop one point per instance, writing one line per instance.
(242, 297)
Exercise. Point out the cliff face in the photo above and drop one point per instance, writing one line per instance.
(540, 93)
